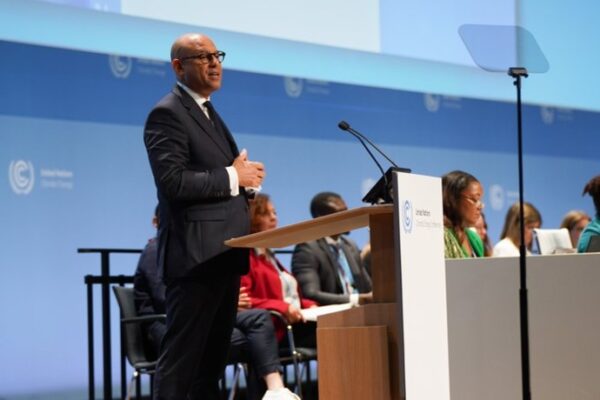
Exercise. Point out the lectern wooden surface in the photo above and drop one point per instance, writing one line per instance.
(371, 329)
(317, 228)
(340, 326)
(355, 354)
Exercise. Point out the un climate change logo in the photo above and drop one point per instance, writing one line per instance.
(432, 102)
(293, 86)
(407, 216)
(120, 66)
(496, 197)
(21, 176)
(547, 114)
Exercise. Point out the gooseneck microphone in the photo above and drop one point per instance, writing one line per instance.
(343, 125)
(381, 192)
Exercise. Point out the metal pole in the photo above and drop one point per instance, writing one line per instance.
(90, 325)
(517, 73)
(106, 346)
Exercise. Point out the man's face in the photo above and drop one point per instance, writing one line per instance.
(202, 75)
(337, 205)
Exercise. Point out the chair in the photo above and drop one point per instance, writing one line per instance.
(133, 339)
(138, 357)
(299, 357)
(552, 241)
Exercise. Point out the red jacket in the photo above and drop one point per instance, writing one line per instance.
(264, 288)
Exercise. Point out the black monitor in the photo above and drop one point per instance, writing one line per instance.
(593, 245)
(381, 192)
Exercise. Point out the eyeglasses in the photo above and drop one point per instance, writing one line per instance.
(206, 58)
(474, 201)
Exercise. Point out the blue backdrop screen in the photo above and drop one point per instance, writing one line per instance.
(76, 173)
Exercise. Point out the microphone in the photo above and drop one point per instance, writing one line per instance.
(343, 125)
(381, 192)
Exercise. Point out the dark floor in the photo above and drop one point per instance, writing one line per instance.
(310, 391)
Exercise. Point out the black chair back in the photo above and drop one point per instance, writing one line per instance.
(132, 329)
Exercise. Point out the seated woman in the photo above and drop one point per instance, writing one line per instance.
(511, 232)
(269, 285)
(575, 222)
(461, 194)
(481, 227)
(593, 228)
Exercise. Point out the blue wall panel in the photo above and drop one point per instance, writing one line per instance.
(75, 120)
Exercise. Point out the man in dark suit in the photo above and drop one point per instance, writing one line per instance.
(329, 270)
(201, 180)
(253, 340)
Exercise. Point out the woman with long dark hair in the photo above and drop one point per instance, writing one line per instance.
(462, 198)
(593, 228)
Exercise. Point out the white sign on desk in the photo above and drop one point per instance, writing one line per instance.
(422, 285)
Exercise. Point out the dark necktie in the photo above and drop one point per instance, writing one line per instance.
(216, 121)
(212, 113)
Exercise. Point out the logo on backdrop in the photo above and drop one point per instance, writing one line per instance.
(293, 86)
(496, 197)
(407, 216)
(120, 66)
(547, 114)
(21, 176)
(432, 102)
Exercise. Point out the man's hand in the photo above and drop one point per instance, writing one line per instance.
(293, 315)
(365, 298)
(244, 302)
(250, 173)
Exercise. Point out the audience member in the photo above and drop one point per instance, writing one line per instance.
(365, 257)
(253, 336)
(330, 270)
(268, 283)
(462, 200)
(481, 228)
(593, 228)
(575, 221)
(510, 237)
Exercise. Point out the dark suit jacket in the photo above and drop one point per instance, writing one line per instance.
(315, 266)
(197, 214)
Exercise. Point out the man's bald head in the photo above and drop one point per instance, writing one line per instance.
(196, 63)
(185, 43)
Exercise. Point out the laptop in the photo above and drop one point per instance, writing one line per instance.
(593, 245)
(553, 241)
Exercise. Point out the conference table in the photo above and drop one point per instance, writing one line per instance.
(361, 350)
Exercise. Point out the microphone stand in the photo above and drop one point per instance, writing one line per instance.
(517, 73)
(381, 191)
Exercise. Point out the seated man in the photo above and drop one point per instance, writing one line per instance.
(253, 336)
(329, 270)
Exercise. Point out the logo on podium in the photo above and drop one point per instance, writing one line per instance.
(407, 216)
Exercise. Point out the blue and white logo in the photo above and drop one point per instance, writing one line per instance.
(293, 86)
(120, 66)
(496, 197)
(21, 176)
(432, 102)
(547, 114)
(407, 216)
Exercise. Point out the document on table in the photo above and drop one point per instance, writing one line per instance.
(311, 314)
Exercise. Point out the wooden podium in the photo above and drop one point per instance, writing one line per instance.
(359, 350)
